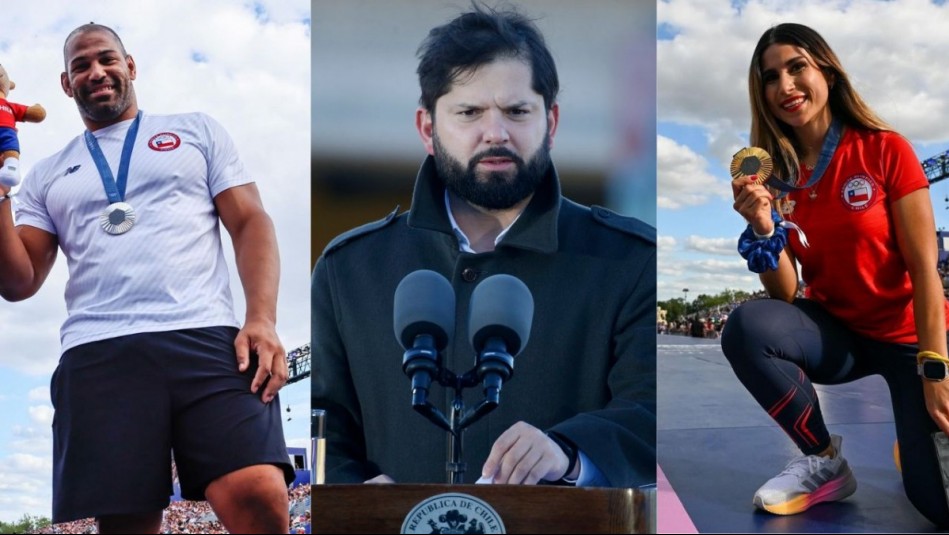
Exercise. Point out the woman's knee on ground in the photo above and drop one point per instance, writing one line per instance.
(751, 328)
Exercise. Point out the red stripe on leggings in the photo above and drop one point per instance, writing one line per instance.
(800, 426)
(779, 406)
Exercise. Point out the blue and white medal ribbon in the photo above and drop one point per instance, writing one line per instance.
(119, 216)
(831, 140)
(800, 232)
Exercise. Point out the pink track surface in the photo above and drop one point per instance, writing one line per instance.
(672, 515)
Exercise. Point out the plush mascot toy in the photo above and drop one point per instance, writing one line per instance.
(10, 113)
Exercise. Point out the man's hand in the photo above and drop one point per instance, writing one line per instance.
(261, 338)
(524, 455)
(258, 264)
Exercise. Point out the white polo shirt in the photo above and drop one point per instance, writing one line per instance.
(168, 272)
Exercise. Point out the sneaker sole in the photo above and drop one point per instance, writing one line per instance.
(833, 490)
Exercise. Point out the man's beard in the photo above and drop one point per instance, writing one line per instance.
(105, 111)
(497, 190)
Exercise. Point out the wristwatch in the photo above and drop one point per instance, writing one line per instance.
(570, 450)
(932, 369)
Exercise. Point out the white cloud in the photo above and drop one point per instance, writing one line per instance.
(679, 267)
(700, 283)
(26, 431)
(702, 274)
(701, 76)
(27, 462)
(703, 71)
(666, 243)
(716, 246)
(33, 440)
(41, 414)
(24, 485)
(40, 393)
(722, 145)
(683, 179)
(32, 347)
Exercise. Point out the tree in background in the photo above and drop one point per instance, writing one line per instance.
(677, 309)
(26, 524)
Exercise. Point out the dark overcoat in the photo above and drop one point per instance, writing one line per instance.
(588, 371)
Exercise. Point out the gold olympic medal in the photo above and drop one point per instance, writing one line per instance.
(753, 162)
(118, 218)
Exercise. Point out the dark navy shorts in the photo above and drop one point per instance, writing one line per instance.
(124, 404)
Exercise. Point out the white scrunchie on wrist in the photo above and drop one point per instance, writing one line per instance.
(763, 236)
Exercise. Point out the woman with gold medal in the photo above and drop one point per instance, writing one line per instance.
(848, 202)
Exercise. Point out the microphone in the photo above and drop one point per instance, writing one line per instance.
(499, 325)
(424, 320)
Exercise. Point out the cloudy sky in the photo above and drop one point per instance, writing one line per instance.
(244, 63)
(893, 51)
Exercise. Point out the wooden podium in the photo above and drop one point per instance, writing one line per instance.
(522, 509)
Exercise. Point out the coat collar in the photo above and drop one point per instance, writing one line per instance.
(534, 230)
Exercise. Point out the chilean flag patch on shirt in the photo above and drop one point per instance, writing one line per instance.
(858, 192)
(164, 142)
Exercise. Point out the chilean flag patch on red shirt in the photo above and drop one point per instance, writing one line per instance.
(858, 192)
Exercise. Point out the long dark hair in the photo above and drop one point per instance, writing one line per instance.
(845, 103)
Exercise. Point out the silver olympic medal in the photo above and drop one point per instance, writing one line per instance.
(118, 218)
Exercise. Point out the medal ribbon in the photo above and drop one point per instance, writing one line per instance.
(831, 140)
(114, 189)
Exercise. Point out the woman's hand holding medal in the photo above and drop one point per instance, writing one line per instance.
(750, 168)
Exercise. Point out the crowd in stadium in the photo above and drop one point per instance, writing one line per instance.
(943, 268)
(709, 323)
(706, 323)
(197, 517)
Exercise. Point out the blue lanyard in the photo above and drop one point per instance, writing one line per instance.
(831, 140)
(114, 189)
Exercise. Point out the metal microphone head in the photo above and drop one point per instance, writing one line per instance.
(424, 304)
(501, 307)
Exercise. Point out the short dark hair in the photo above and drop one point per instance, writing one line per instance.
(477, 38)
(94, 27)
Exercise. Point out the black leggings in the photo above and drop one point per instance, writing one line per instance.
(776, 349)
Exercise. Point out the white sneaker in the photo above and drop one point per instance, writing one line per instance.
(807, 481)
(10, 172)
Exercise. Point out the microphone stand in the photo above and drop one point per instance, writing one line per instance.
(422, 361)
(458, 419)
(454, 466)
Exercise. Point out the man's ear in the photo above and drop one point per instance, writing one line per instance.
(553, 119)
(425, 124)
(64, 82)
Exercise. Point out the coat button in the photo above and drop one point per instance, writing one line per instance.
(469, 274)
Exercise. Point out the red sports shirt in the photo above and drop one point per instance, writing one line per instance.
(853, 266)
